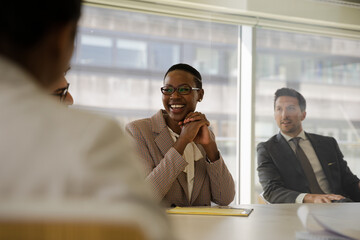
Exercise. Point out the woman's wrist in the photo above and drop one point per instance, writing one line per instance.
(180, 145)
(212, 151)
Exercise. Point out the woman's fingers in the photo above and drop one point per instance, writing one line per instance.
(194, 116)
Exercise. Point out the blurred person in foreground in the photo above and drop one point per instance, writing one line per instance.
(295, 166)
(61, 90)
(50, 155)
(178, 149)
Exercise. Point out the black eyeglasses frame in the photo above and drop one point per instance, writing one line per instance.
(177, 89)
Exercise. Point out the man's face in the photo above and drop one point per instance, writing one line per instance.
(288, 115)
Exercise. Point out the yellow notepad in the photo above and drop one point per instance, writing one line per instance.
(217, 210)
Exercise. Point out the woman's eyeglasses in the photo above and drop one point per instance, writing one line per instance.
(183, 89)
(62, 92)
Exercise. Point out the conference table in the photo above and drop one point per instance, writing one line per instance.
(266, 222)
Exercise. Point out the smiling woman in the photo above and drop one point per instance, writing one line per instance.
(179, 151)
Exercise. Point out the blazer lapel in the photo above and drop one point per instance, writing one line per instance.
(164, 142)
(162, 138)
(200, 174)
(182, 179)
(323, 154)
(284, 155)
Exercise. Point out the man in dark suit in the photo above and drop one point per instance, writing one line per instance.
(295, 166)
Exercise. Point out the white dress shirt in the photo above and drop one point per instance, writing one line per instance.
(53, 156)
(191, 154)
(309, 151)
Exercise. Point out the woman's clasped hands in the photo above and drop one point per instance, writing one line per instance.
(194, 127)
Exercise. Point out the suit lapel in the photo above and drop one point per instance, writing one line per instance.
(162, 137)
(182, 179)
(284, 155)
(323, 154)
(164, 142)
(200, 174)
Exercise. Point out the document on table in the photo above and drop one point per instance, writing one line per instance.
(216, 210)
(340, 222)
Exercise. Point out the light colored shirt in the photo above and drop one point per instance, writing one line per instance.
(309, 151)
(191, 154)
(53, 156)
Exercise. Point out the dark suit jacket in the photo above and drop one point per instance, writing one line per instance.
(283, 179)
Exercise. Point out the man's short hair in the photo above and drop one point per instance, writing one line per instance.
(24, 23)
(187, 68)
(291, 93)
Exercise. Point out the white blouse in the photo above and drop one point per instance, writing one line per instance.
(191, 154)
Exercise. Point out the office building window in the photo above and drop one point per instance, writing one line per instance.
(95, 50)
(131, 54)
(163, 53)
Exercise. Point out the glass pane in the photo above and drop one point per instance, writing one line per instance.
(121, 58)
(164, 53)
(95, 50)
(131, 54)
(207, 60)
(326, 71)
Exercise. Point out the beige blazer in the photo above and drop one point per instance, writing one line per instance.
(53, 155)
(164, 167)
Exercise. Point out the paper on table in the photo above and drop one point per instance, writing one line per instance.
(217, 210)
(329, 224)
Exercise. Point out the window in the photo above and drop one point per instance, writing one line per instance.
(95, 50)
(131, 54)
(164, 53)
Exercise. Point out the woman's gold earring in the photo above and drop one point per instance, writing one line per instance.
(200, 100)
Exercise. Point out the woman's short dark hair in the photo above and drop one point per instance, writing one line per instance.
(187, 68)
(291, 93)
(23, 23)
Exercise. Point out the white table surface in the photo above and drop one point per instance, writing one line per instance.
(266, 222)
